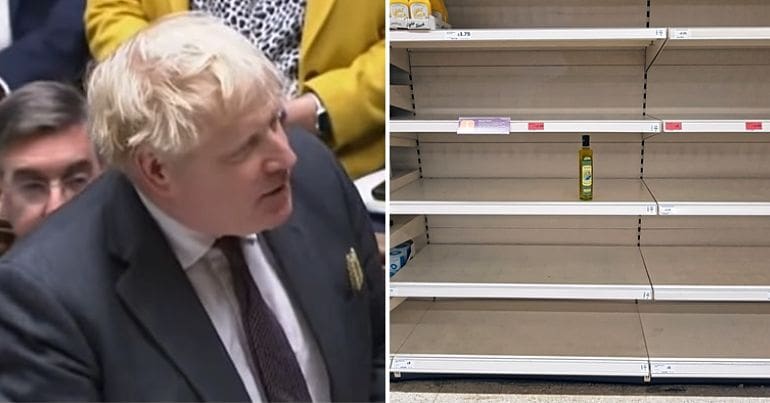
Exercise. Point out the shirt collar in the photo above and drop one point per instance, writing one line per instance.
(188, 245)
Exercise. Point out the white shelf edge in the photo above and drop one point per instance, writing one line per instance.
(542, 37)
(716, 126)
(519, 365)
(709, 368)
(667, 208)
(526, 291)
(536, 126)
(716, 34)
(523, 208)
(711, 293)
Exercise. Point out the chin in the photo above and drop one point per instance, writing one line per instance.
(268, 219)
(279, 217)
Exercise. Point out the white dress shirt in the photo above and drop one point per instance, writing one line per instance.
(208, 271)
(5, 36)
(5, 24)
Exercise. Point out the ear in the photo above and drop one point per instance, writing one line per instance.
(152, 171)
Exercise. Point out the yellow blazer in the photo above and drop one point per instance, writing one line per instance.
(342, 60)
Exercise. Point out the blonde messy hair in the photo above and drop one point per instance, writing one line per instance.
(178, 74)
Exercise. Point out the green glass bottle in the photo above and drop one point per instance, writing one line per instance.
(586, 164)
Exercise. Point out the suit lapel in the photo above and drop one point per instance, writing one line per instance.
(156, 290)
(308, 284)
(315, 16)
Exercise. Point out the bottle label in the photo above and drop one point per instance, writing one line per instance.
(586, 173)
(586, 178)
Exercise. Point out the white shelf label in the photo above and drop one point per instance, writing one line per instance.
(650, 209)
(484, 125)
(400, 363)
(681, 34)
(655, 127)
(647, 295)
(663, 369)
(458, 35)
(666, 209)
(660, 33)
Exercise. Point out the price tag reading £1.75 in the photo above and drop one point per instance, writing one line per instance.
(458, 35)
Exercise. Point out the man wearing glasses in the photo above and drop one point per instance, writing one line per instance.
(46, 157)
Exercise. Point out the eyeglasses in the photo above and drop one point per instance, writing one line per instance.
(38, 191)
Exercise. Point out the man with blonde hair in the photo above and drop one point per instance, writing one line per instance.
(222, 259)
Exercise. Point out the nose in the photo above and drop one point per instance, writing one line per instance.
(57, 196)
(282, 157)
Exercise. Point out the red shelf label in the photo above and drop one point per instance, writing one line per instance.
(536, 126)
(753, 125)
(673, 125)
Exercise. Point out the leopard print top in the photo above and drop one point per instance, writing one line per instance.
(274, 26)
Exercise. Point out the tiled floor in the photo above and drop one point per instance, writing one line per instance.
(528, 391)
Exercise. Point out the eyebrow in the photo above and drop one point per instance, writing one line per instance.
(79, 166)
(259, 132)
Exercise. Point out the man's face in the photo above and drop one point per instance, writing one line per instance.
(42, 173)
(236, 181)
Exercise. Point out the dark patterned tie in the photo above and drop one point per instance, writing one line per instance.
(279, 371)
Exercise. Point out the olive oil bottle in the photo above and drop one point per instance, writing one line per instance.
(586, 165)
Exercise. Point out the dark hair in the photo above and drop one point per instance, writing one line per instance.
(38, 109)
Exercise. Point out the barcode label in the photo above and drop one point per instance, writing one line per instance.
(666, 209)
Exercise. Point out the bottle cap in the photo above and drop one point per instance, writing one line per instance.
(586, 140)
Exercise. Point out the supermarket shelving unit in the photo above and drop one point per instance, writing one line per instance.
(666, 273)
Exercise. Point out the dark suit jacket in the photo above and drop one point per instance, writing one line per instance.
(95, 306)
(49, 42)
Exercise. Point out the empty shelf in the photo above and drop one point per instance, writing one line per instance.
(518, 337)
(521, 196)
(623, 38)
(708, 273)
(405, 228)
(707, 340)
(537, 125)
(711, 196)
(516, 271)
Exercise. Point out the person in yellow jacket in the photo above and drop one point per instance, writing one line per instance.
(338, 69)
